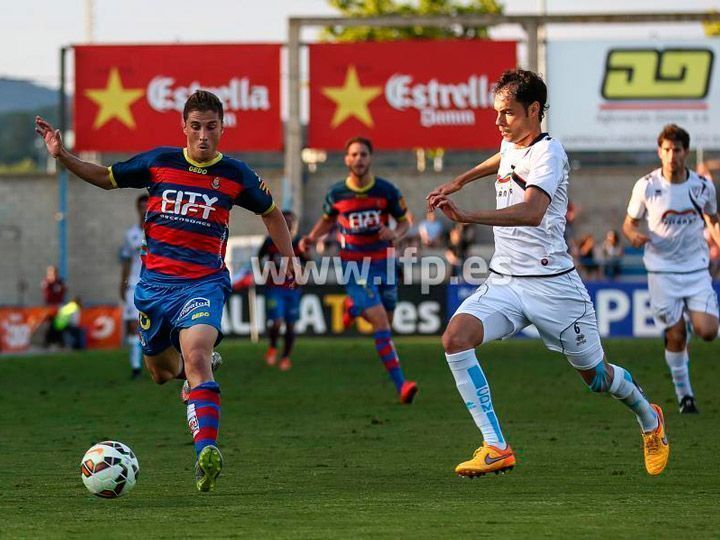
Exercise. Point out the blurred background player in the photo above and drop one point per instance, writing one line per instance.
(532, 277)
(362, 205)
(184, 282)
(131, 264)
(676, 204)
(282, 300)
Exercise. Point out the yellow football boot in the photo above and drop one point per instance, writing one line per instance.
(487, 459)
(656, 446)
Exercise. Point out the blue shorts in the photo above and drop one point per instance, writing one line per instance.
(379, 288)
(283, 304)
(167, 309)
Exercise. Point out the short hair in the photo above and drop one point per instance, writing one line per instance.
(202, 100)
(674, 133)
(362, 140)
(525, 86)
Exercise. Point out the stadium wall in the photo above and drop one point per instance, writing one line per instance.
(97, 220)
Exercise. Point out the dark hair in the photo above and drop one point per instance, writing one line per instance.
(525, 86)
(362, 140)
(142, 199)
(202, 100)
(674, 133)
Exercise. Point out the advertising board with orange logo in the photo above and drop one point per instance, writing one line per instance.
(130, 98)
(406, 94)
(19, 326)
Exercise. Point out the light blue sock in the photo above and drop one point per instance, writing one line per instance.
(475, 391)
(623, 388)
(135, 352)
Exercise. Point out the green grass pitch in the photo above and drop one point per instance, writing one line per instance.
(325, 450)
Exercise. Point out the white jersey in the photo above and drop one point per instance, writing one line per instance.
(675, 221)
(541, 250)
(133, 246)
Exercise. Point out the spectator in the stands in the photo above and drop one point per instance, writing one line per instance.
(460, 238)
(431, 231)
(53, 287)
(587, 257)
(611, 253)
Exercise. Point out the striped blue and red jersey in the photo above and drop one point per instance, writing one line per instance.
(270, 250)
(188, 212)
(360, 212)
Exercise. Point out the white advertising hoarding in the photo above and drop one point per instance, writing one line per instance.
(619, 95)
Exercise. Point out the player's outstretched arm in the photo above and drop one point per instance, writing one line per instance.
(323, 226)
(90, 172)
(528, 213)
(631, 230)
(280, 235)
(713, 223)
(487, 167)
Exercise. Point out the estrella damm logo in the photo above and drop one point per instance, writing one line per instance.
(144, 321)
(657, 74)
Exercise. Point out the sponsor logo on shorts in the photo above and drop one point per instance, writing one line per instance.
(200, 314)
(192, 305)
(144, 321)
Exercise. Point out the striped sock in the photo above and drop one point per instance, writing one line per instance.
(203, 414)
(387, 353)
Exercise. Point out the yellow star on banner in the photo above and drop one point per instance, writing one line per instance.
(114, 101)
(351, 99)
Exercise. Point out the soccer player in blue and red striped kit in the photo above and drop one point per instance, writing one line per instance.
(362, 205)
(184, 282)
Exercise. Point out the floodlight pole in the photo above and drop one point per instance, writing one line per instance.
(293, 127)
(62, 174)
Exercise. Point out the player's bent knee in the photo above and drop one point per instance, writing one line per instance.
(159, 375)
(454, 342)
(707, 334)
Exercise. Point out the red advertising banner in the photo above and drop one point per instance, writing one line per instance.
(407, 94)
(101, 325)
(130, 98)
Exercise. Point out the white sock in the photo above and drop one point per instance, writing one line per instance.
(678, 364)
(624, 389)
(135, 352)
(474, 389)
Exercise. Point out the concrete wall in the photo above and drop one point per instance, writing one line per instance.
(97, 219)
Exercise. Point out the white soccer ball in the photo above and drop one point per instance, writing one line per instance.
(109, 469)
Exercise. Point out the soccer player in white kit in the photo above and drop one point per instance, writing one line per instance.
(677, 204)
(532, 279)
(131, 264)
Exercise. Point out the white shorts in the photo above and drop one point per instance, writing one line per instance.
(671, 294)
(558, 306)
(130, 312)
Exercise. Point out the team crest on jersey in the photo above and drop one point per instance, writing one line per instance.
(215, 182)
(192, 305)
